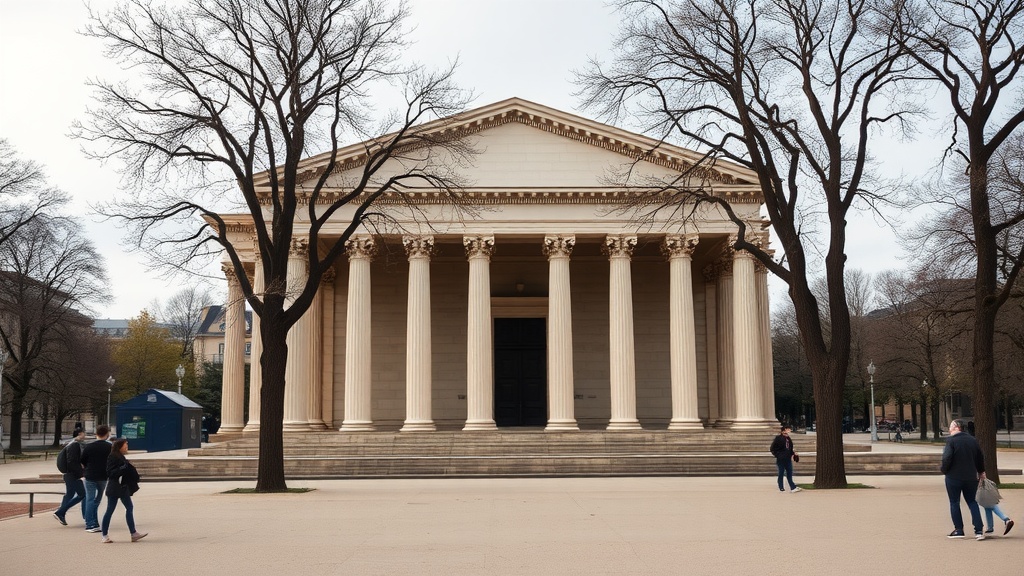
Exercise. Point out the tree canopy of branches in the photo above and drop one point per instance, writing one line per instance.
(48, 274)
(793, 90)
(24, 192)
(145, 358)
(237, 94)
(77, 383)
(183, 313)
(974, 50)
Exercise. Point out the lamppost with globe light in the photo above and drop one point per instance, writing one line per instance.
(110, 386)
(180, 372)
(874, 426)
(3, 362)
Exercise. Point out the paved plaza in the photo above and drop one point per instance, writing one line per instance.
(590, 526)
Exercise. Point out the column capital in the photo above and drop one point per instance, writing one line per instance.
(478, 246)
(299, 247)
(418, 246)
(328, 276)
(559, 246)
(229, 272)
(717, 269)
(361, 247)
(618, 246)
(679, 245)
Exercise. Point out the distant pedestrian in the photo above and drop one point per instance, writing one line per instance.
(122, 482)
(782, 449)
(963, 464)
(970, 428)
(94, 461)
(74, 489)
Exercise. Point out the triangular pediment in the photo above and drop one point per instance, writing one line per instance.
(521, 144)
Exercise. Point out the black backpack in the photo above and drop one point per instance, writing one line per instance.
(62, 457)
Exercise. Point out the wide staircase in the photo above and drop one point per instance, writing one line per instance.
(518, 453)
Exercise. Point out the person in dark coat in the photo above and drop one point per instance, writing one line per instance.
(122, 482)
(963, 464)
(74, 489)
(782, 449)
(94, 463)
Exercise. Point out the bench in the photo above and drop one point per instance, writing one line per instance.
(31, 497)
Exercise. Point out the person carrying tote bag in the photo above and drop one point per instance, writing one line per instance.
(122, 482)
(988, 497)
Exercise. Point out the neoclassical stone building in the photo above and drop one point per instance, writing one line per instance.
(553, 305)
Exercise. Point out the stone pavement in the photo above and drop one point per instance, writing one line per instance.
(592, 526)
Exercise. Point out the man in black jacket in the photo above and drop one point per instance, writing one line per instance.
(94, 462)
(782, 449)
(963, 464)
(74, 490)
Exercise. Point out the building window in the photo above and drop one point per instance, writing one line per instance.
(220, 348)
(248, 348)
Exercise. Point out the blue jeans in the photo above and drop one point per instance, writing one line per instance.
(988, 516)
(129, 514)
(93, 496)
(966, 488)
(74, 492)
(785, 466)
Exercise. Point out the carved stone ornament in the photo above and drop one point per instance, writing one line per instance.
(360, 247)
(328, 276)
(256, 255)
(677, 246)
(559, 246)
(478, 246)
(299, 247)
(619, 246)
(718, 268)
(229, 272)
(418, 246)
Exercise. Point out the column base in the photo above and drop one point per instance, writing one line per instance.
(230, 429)
(685, 424)
(317, 425)
(479, 425)
(751, 424)
(632, 424)
(357, 426)
(561, 426)
(302, 426)
(424, 426)
(251, 427)
(724, 423)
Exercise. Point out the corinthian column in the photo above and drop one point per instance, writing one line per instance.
(682, 332)
(765, 334)
(746, 332)
(622, 370)
(296, 376)
(255, 353)
(233, 383)
(418, 349)
(316, 360)
(358, 356)
(479, 363)
(724, 324)
(560, 387)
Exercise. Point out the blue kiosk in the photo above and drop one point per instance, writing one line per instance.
(159, 420)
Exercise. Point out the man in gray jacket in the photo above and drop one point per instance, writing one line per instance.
(963, 464)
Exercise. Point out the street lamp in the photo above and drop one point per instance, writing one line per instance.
(3, 362)
(180, 371)
(874, 426)
(110, 386)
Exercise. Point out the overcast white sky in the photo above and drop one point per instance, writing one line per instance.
(525, 48)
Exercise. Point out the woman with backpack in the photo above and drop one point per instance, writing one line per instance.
(122, 482)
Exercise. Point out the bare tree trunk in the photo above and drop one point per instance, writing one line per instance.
(14, 434)
(270, 474)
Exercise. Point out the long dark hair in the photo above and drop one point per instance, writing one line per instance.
(116, 448)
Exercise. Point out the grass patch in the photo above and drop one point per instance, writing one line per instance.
(253, 491)
(1012, 486)
(849, 486)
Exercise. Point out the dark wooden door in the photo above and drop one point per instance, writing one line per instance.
(520, 372)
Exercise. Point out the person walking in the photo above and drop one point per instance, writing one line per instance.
(122, 482)
(782, 449)
(990, 522)
(963, 465)
(94, 462)
(74, 489)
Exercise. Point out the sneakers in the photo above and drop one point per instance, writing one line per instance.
(956, 534)
(105, 540)
(136, 536)
(990, 530)
(60, 519)
(1009, 526)
(797, 489)
(979, 535)
(94, 529)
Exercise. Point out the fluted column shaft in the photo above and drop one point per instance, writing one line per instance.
(726, 371)
(561, 410)
(746, 332)
(682, 332)
(418, 345)
(764, 325)
(479, 353)
(327, 348)
(358, 357)
(315, 357)
(233, 383)
(255, 353)
(296, 377)
(622, 369)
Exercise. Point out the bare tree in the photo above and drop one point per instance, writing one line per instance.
(974, 50)
(48, 274)
(793, 90)
(183, 313)
(75, 381)
(24, 193)
(237, 94)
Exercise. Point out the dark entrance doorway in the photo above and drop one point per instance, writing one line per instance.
(520, 372)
